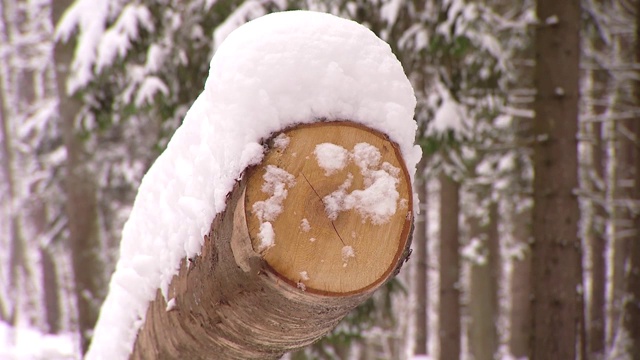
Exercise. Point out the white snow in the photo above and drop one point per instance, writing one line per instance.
(552, 20)
(331, 157)
(304, 275)
(276, 182)
(267, 236)
(378, 201)
(271, 73)
(404, 203)
(171, 304)
(347, 253)
(281, 141)
(366, 156)
(304, 225)
(334, 202)
(26, 343)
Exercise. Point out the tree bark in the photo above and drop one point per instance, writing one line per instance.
(483, 302)
(17, 249)
(519, 317)
(51, 294)
(631, 318)
(81, 197)
(240, 300)
(449, 319)
(556, 255)
(420, 241)
(596, 229)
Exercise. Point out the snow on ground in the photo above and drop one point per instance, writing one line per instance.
(271, 73)
(23, 343)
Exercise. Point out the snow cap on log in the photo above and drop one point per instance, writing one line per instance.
(270, 74)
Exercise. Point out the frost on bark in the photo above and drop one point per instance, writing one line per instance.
(556, 255)
(270, 282)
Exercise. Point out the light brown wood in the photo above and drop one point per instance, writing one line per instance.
(317, 257)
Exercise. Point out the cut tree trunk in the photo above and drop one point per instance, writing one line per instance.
(246, 297)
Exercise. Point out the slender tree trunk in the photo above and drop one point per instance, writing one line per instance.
(81, 198)
(620, 179)
(631, 319)
(519, 317)
(420, 241)
(449, 319)
(16, 239)
(51, 292)
(17, 249)
(556, 255)
(483, 302)
(596, 232)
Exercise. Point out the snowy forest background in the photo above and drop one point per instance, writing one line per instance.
(91, 91)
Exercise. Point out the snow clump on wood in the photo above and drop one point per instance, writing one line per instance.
(276, 182)
(267, 237)
(347, 253)
(331, 157)
(304, 225)
(281, 142)
(378, 201)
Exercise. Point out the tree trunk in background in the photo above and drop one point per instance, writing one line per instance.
(420, 244)
(449, 319)
(556, 255)
(631, 319)
(51, 291)
(620, 175)
(483, 301)
(596, 229)
(596, 186)
(16, 239)
(81, 199)
(630, 322)
(17, 247)
(519, 318)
